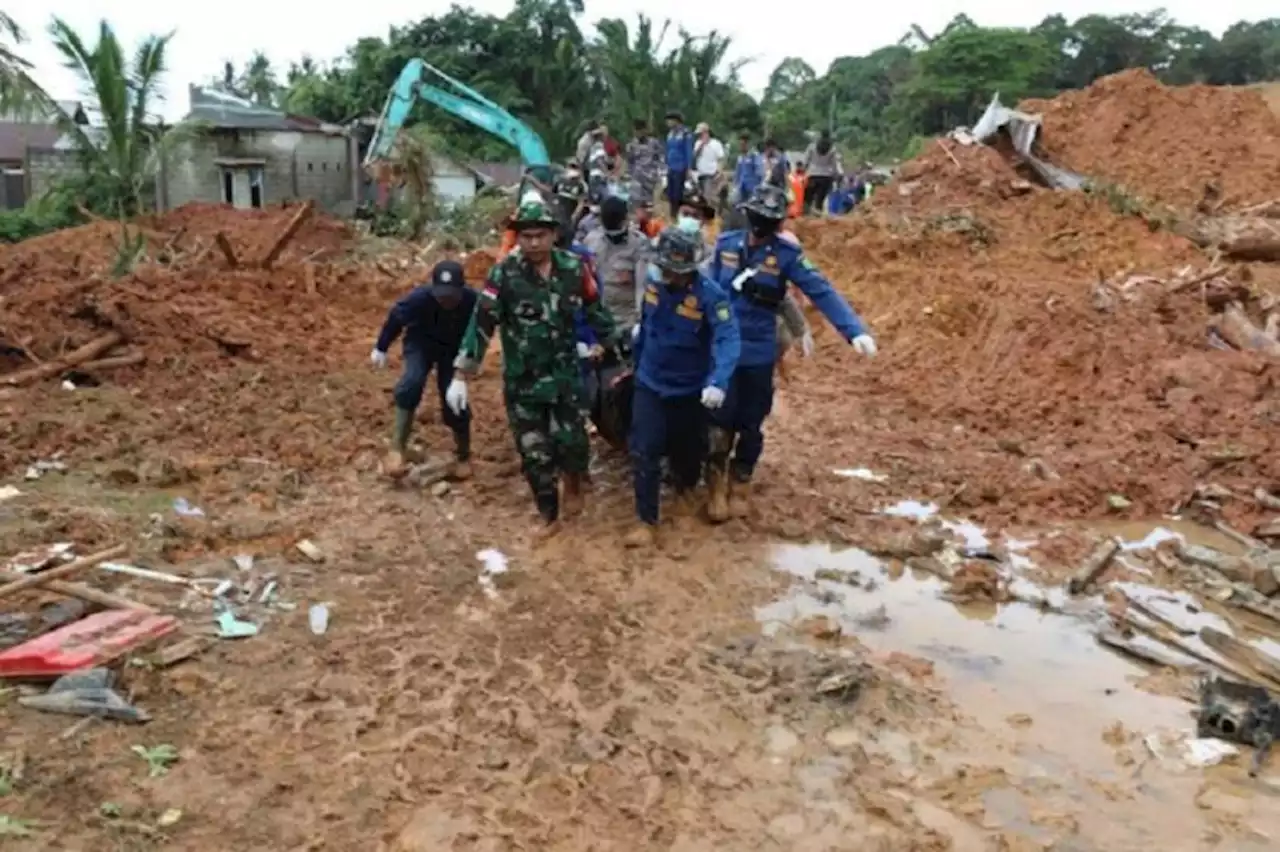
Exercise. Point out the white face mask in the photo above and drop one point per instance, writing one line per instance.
(689, 225)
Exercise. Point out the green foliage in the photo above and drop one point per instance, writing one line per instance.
(53, 212)
(20, 94)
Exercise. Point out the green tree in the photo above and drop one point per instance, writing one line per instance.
(119, 158)
(19, 92)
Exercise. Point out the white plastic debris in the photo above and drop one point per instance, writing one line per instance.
(308, 549)
(243, 561)
(911, 509)
(318, 618)
(8, 492)
(186, 509)
(860, 473)
(1203, 752)
(492, 563)
(230, 627)
(68, 385)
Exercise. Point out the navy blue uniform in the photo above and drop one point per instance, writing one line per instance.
(756, 278)
(432, 336)
(688, 341)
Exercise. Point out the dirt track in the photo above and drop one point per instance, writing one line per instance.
(717, 694)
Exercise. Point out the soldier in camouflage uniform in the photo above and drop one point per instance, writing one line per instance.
(645, 156)
(532, 296)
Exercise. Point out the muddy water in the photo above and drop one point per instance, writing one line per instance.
(1054, 746)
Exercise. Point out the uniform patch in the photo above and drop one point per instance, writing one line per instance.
(490, 290)
(691, 302)
(651, 296)
(689, 313)
(807, 263)
(723, 312)
(770, 263)
(729, 259)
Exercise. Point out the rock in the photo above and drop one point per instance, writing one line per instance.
(440, 489)
(821, 627)
(1118, 502)
(843, 738)
(780, 740)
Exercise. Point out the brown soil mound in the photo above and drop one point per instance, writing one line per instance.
(191, 317)
(1013, 382)
(1166, 143)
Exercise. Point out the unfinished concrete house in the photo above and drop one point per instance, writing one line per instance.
(253, 156)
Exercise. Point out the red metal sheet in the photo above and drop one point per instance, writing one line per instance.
(89, 642)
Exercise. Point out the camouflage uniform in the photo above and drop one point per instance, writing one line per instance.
(541, 381)
(644, 166)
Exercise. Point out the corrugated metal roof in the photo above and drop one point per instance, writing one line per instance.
(226, 111)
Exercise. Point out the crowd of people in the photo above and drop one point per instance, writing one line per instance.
(667, 337)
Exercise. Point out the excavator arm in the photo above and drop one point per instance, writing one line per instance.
(455, 98)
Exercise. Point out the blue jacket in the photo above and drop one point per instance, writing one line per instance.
(425, 324)
(748, 174)
(679, 150)
(777, 263)
(688, 339)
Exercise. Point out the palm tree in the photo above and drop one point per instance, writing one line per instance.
(19, 92)
(121, 155)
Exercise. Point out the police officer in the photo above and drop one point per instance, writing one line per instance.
(621, 254)
(433, 319)
(685, 353)
(755, 266)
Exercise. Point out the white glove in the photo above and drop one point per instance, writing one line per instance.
(743, 277)
(635, 332)
(806, 344)
(455, 396)
(865, 344)
(584, 351)
(712, 397)
(378, 358)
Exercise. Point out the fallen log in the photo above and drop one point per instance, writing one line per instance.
(110, 600)
(130, 360)
(282, 241)
(1235, 327)
(224, 245)
(1093, 566)
(29, 581)
(88, 352)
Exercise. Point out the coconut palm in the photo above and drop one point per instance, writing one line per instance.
(19, 92)
(121, 153)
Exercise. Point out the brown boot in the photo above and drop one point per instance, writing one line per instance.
(393, 466)
(641, 536)
(571, 497)
(717, 495)
(542, 531)
(740, 499)
(460, 471)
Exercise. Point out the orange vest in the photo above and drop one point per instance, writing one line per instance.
(796, 208)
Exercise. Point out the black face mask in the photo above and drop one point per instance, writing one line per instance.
(762, 226)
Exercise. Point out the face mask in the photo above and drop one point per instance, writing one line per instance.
(655, 274)
(763, 230)
(689, 225)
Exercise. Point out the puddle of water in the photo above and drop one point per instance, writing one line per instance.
(1143, 535)
(1014, 662)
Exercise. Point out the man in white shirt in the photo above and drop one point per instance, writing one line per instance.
(708, 161)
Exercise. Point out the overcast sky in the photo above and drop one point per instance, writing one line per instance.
(209, 34)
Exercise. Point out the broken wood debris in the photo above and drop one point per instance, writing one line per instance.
(1094, 564)
(30, 581)
(88, 352)
(224, 246)
(282, 241)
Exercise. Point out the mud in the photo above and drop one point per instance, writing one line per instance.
(1031, 386)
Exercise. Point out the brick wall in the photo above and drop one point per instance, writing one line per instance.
(296, 165)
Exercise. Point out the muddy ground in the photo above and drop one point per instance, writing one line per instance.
(800, 679)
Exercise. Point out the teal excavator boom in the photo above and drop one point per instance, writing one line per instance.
(455, 98)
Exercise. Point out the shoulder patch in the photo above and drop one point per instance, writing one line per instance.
(723, 312)
(806, 262)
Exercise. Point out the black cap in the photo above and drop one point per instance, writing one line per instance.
(448, 274)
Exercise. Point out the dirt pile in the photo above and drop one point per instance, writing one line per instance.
(1043, 358)
(1166, 143)
(185, 315)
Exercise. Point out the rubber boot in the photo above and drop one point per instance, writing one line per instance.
(717, 475)
(461, 469)
(549, 512)
(571, 501)
(739, 498)
(641, 536)
(394, 465)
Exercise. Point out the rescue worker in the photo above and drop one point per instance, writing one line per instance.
(679, 159)
(685, 353)
(748, 173)
(532, 295)
(433, 319)
(644, 164)
(621, 255)
(756, 265)
(645, 220)
(570, 190)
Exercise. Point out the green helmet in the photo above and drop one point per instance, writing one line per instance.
(535, 214)
(678, 251)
